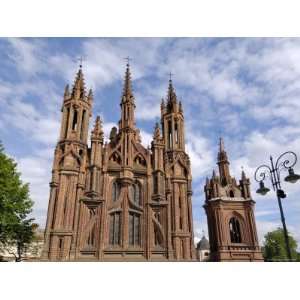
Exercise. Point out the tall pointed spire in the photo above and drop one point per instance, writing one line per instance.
(127, 102)
(97, 132)
(127, 89)
(221, 145)
(171, 97)
(78, 90)
(223, 163)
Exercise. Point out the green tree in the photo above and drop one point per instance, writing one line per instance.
(16, 229)
(274, 246)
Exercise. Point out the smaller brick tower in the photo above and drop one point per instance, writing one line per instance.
(229, 208)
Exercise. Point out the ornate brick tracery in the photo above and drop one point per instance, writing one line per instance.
(119, 200)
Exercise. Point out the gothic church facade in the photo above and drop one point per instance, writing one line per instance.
(118, 200)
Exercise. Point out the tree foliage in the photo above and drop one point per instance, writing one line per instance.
(16, 229)
(275, 249)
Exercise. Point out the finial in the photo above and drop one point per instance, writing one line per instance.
(180, 106)
(98, 131)
(214, 174)
(128, 60)
(80, 60)
(243, 173)
(222, 148)
(170, 76)
(67, 92)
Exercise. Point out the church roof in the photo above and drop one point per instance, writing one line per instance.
(203, 244)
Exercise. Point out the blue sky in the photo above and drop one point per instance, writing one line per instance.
(245, 89)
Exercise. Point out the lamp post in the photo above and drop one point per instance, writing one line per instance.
(285, 161)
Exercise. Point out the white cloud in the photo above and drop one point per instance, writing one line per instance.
(201, 156)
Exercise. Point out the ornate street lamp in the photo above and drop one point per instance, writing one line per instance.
(285, 161)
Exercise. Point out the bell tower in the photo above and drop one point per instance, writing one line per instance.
(68, 173)
(178, 177)
(172, 121)
(230, 215)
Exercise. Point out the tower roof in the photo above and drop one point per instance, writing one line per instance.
(79, 87)
(171, 96)
(222, 155)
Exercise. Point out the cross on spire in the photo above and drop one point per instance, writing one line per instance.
(80, 60)
(128, 59)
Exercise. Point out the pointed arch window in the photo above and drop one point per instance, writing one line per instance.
(82, 125)
(176, 133)
(170, 134)
(235, 230)
(136, 193)
(115, 191)
(115, 229)
(74, 124)
(231, 194)
(67, 122)
(134, 229)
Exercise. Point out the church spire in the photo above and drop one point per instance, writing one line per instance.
(127, 103)
(171, 96)
(127, 88)
(223, 163)
(78, 90)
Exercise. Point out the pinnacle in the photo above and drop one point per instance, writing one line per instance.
(67, 92)
(97, 131)
(156, 134)
(221, 144)
(127, 89)
(243, 175)
(171, 93)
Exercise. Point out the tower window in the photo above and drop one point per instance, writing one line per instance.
(170, 133)
(74, 124)
(235, 231)
(176, 133)
(67, 123)
(82, 125)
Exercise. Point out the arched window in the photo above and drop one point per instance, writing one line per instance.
(74, 124)
(170, 133)
(82, 125)
(115, 191)
(134, 229)
(114, 229)
(155, 183)
(235, 230)
(136, 193)
(231, 194)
